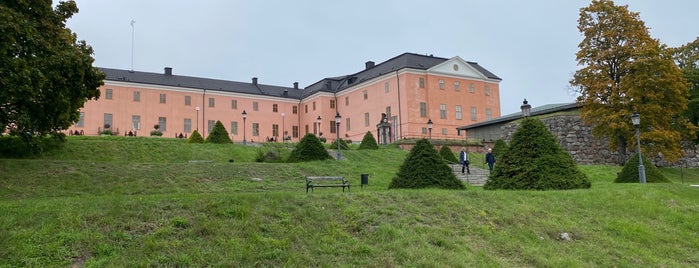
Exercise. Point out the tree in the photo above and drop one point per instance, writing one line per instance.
(499, 147)
(629, 174)
(625, 70)
(218, 134)
(309, 149)
(447, 154)
(368, 142)
(687, 58)
(195, 138)
(535, 161)
(46, 75)
(424, 168)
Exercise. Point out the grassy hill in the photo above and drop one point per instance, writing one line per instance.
(128, 202)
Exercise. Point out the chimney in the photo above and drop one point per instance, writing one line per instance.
(369, 65)
(168, 70)
(254, 80)
(286, 93)
(296, 85)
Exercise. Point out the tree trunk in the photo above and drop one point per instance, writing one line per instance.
(621, 149)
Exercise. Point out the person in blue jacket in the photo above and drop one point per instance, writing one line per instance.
(490, 159)
(463, 159)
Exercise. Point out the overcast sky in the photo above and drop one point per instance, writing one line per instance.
(531, 45)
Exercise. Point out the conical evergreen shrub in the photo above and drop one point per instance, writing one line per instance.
(448, 155)
(195, 138)
(424, 168)
(535, 161)
(629, 174)
(309, 149)
(343, 144)
(218, 134)
(499, 148)
(368, 142)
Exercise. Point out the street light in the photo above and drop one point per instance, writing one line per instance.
(283, 129)
(337, 127)
(636, 120)
(197, 118)
(429, 127)
(245, 115)
(526, 108)
(320, 133)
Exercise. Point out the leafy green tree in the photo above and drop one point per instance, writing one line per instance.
(218, 134)
(424, 168)
(535, 161)
(309, 149)
(195, 138)
(448, 155)
(368, 142)
(629, 174)
(625, 70)
(687, 58)
(46, 74)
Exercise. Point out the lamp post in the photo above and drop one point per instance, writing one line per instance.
(283, 129)
(245, 115)
(526, 108)
(197, 118)
(429, 127)
(636, 120)
(337, 127)
(320, 133)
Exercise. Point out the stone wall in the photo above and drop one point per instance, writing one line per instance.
(573, 135)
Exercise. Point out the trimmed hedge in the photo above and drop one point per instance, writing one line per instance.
(368, 142)
(195, 138)
(309, 149)
(424, 168)
(343, 145)
(448, 155)
(629, 174)
(218, 134)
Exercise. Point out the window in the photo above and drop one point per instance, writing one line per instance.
(275, 130)
(333, 126)
(473, 114)
(162, 98)
(234, 104)
(366, 119)
(295, 131)
(275, 108)
(423, 109)
(458, 112)
(137, 96)
(457, 85)
(188, 100)
(346, 101)
(234, 127)
(295, 109)
(306, 129)
(424, 130)
(444, 131)
(212, 102)
(210, 125)
(314, 106)
(332, 104)
(108, 120)
(488, 114)
(306, 108)
(108, 94)
(187, 125)
(385, 87)
(443, 111)
(366, 95)
(441, 83)
(315, 128)
(255, 106)
(162, 122)
(348, 124)
(472, 88)
(422, 82)
(487, 90)
(81, 121)
(136, 122)
(256, 129)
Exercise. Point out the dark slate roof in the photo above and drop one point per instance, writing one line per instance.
(199, 83)
(405, 60)
(544, 109)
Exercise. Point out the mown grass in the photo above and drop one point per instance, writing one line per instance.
(102, 203)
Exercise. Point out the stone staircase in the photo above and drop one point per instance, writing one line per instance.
(477, 177)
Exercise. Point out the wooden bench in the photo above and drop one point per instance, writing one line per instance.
(326, 181)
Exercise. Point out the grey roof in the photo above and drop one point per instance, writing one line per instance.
(544, 109)
(199, 83)
(405, 60)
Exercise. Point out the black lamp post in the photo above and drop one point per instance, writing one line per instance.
(636, 120)
(526, 108)
(197, 118)
(337, 127)
(320, 133)
(283, 128)
(429, 127)
(245, 115)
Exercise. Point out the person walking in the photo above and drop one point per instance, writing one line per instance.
(490, 159)
(463, 159)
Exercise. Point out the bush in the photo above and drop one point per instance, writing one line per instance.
(629, 174)
(499, 147)
(156, 133)
(195, 138)
(448, 155)
(424, 168)
(106, 132)
(28, 146)
(535, 161)
(368, 142)
(309, 149)
(343, 145)
(218, 134)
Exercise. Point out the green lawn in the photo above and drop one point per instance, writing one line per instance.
(134, 202)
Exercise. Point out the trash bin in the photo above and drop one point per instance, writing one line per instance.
(365, 180)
